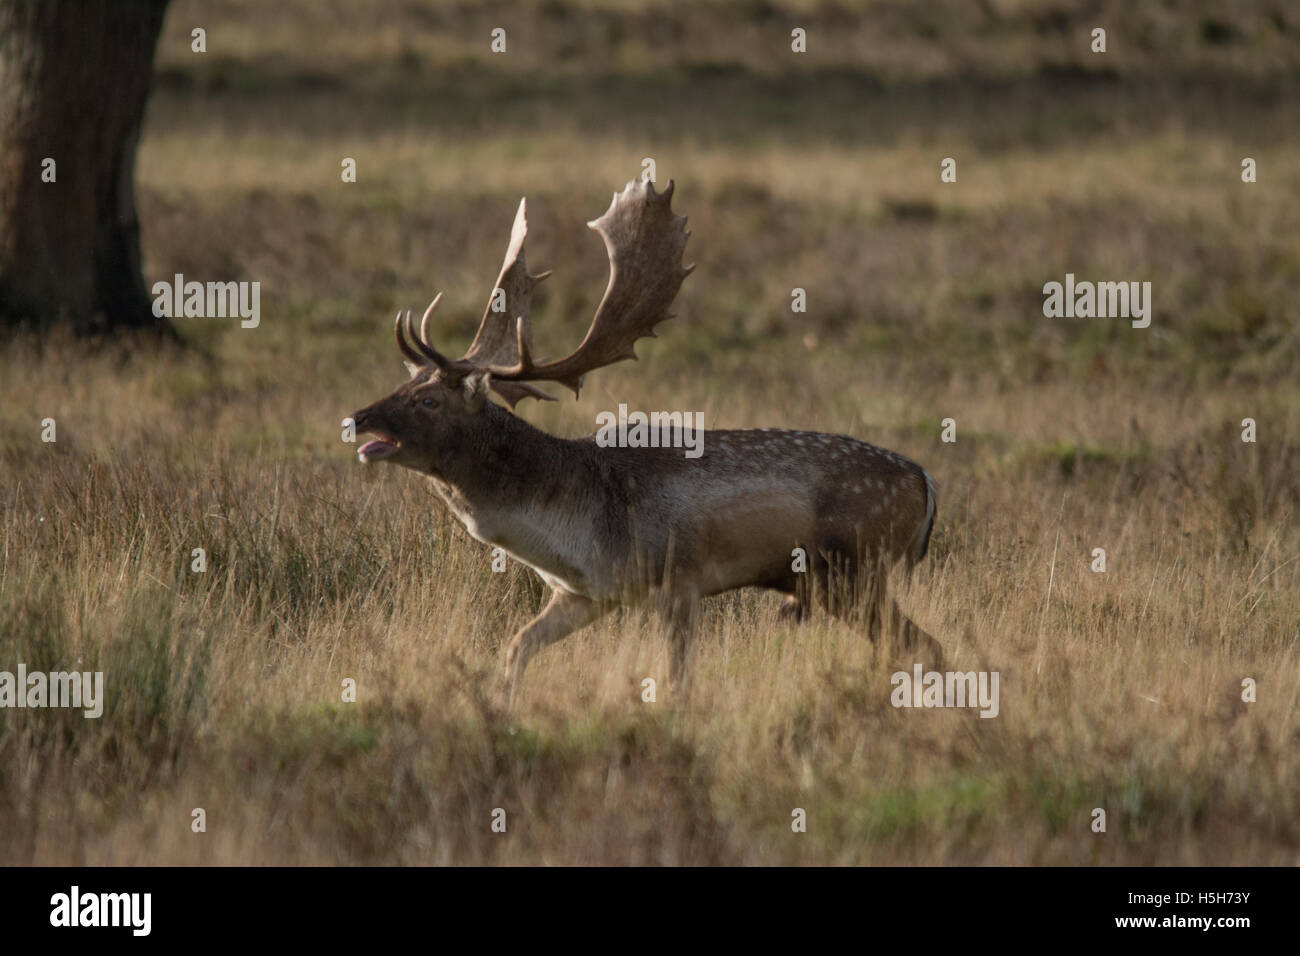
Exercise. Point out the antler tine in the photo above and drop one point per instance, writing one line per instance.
(422, 342)
(425, 343)
(525, 350)
(428, 313)
(645, 242)
(405, 346)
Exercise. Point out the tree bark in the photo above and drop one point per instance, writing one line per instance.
(74, 78)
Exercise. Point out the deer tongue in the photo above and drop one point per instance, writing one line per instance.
(376, 450)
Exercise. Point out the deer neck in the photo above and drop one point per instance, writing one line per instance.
(509, 482)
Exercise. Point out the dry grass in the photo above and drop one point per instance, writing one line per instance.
(1119, 690)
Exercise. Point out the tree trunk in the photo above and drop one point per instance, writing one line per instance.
(74, 78)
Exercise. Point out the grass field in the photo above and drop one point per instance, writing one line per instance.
(1120, 690)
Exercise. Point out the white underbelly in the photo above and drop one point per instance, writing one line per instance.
(553, 553)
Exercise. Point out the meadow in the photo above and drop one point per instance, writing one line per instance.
(1120, 690)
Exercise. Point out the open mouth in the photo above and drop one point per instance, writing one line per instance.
(379, 449)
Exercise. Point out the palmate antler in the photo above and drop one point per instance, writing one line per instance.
(644, 241)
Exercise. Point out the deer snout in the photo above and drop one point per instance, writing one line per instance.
(384, 445)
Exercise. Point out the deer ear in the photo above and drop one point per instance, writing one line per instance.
(414, 369)
(474, 388)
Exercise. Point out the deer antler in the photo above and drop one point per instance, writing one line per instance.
(495, 343)
(645, 241)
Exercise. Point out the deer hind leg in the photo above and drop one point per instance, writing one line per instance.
(921, 645)
(905, 635)
(563, 615)
(839, 579)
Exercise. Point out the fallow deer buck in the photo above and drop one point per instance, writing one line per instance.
(608, 526)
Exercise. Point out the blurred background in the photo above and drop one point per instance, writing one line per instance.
(816, 170)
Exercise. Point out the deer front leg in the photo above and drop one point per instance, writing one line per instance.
(793, 609)
(563, 615)
(680, 610)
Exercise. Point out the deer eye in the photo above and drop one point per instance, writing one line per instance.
(429, 402)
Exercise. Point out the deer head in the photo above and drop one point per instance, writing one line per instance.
(439, 412)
